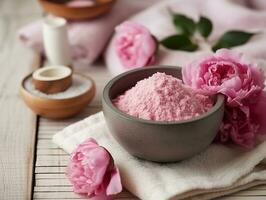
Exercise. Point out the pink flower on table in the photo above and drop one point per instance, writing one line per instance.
(134, 44)
(92, 171)
(227, 73)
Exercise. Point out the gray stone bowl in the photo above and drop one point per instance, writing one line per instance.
(153, 140)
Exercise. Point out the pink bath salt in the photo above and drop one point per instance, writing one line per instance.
(80, 3)
(162, 97)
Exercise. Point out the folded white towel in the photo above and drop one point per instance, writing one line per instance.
(218, 171)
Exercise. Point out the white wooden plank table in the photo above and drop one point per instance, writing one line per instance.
(17, 123)
(31, 166)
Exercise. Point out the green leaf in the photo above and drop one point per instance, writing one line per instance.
(184, 24)
(232, 39)
(179, 42)
(204, 26)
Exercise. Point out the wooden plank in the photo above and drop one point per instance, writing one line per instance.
(50, 176)
(57, 152)
(52, 182)
(53, 189)
(17, 122)
(46, 144)
(52, 160)
(49, 169)
(55, 195)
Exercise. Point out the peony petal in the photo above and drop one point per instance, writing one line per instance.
(257, 75)
(147, 48)
(89, 143)
(259, 112)
(234, 83)
(228, 55)
(186, 75)
(190, 74)
(114, 186)
(100, 159)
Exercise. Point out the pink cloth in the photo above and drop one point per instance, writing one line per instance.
(87, 38)
(225, 15)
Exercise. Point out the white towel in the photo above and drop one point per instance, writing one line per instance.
(218, 171)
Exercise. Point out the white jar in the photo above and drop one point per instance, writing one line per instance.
(56, 42)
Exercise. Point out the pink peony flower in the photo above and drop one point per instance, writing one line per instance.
(135, 46)
(242, 83)
(92, 171)
(226, 72)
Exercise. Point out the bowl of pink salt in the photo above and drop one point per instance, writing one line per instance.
(154, 116)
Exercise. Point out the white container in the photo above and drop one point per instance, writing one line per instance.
(55, 39)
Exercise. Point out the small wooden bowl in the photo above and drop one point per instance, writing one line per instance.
(60, 8)
(57, 108)
(52, 79)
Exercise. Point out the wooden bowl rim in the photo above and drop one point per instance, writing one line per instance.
(49, 100)
(54, 79)
(99, 4)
